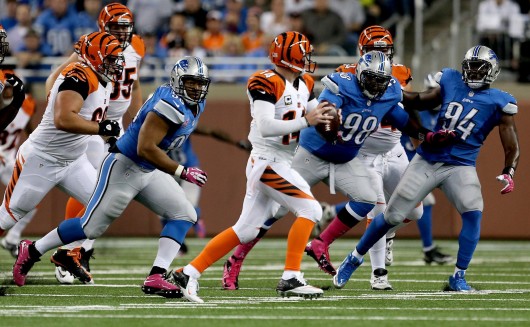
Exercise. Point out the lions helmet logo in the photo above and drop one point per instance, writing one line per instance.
(184, 65)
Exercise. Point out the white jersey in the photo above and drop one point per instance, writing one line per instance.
(121, 96)
(289, 102)
(60, 144)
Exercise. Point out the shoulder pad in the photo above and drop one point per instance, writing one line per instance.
(138, 45)
(510, 109)
(169, 111)
(330, 84)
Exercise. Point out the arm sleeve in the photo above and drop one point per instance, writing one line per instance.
(312, 104)
(269, 126)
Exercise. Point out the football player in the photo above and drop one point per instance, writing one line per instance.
(10, 139)
(117, 20)
(384, 155)
(472, 109)
(281, 104)
(8, 111)
(54, 154)
(382, 144)
(138, 168)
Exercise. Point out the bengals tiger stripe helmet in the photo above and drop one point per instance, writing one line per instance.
(292, 50)
(4, 45)
(103, 53)
(117, 19)
(376, 38)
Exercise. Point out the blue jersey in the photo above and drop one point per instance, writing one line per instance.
(428, 119)
(58, 33)
(471, 113)
(360, 117)
(185, 155)
(174, 111)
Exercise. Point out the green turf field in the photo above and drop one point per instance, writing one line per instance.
(500, 271)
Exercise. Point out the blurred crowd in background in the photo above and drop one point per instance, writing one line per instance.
(234, 28)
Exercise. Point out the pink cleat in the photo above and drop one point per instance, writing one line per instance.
(319, 251)
(231, 270)
(23, 263)
(159, 285)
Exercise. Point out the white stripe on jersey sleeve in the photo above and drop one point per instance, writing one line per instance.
(331, 85)
(510, 109)
(169, 111)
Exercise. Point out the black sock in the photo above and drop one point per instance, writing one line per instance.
(157, 270)
(33, 251)
(346, 218)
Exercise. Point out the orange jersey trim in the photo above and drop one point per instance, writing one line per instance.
(280, 184)
(138, 45)
(83, 73)
(267, 81)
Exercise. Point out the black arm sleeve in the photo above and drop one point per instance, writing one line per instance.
(9, 112)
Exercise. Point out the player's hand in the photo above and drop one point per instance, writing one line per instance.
(244, 144)
(18, 85)
(441, 138)
(109, 128)
(194, 175)
(507, 182)
(111, 141)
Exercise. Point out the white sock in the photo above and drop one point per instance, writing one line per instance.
(73, 245)
(357, 255)
(88, 244)
(377, 254)
(48, 242)
(457, 270)
(192, 272)
(288, 274)
(167, 251)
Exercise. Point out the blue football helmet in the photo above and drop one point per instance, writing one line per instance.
(189, 79)
(374, 71)
(480, 67)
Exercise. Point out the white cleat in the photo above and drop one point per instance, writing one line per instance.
(63, 276)
(379, 280)
(188, 285)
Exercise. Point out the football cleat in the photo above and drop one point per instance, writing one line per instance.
(297, 286)
(231, 270)
(346, 269)
(23, 263)
(458, 282)
(63, 276)
(85, 258)
(188, 285)
(12, 248)
(319, 251)
(158, 284)
(436, 256)
(379, 280)
(70, 261)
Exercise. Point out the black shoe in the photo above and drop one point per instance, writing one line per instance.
(436, 256)
(69, 260)
(188, 285)
(298, 287)
(85, 258)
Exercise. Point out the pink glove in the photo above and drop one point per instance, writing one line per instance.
(194, 175)
(440, 138)
(507, 182)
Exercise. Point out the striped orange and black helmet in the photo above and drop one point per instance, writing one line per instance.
(292, 50)
(4, 45)
(376, 38)
(117, 19)
(103, 52)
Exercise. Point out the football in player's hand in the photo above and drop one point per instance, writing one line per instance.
(330, 130)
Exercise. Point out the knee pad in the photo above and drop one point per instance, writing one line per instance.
(429, 200)
(394, 217)
(245, 232)
(416, 213)
(379, 208)
(312, 211)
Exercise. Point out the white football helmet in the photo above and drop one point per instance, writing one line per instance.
(374, 71)
(480, 67)
(189, 79)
